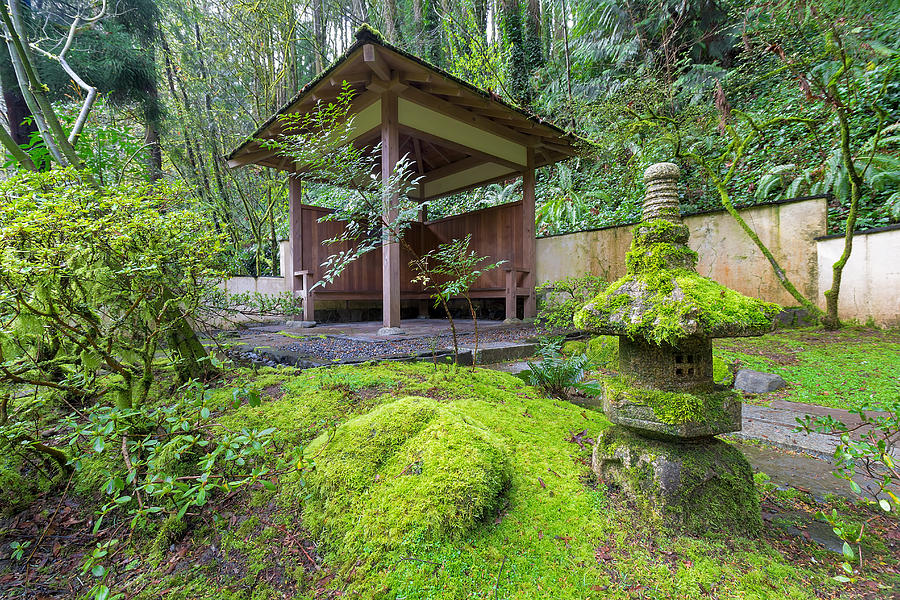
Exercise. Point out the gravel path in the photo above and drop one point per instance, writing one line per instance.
(345, 348)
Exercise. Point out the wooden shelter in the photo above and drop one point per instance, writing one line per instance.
(460, 138)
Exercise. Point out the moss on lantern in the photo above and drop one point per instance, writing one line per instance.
(662, 299)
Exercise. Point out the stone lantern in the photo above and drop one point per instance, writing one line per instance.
(665, 405)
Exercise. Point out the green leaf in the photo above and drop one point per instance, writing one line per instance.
(842, 579)
(848, 551)
(204, 412)
(99, 445)
(855, 487)
(98, 571)
(885, 505)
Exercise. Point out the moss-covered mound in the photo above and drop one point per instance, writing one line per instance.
(410, 469)
(556, 533)
(662, 298)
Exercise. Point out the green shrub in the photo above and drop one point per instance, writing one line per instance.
(560, 300)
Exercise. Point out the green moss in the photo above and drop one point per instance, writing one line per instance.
(664, 300)
(839, 369)
(673, 485)
(603, 351)
(412, 468)
(659, 230)
(673, 305)
(672, 408)
(170, 530)
(542, 539)
(573, 348)
(655, 257)
(722, 371)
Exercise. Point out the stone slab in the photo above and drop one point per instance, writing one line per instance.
(497, 352)
(720, 413)
(775, 425)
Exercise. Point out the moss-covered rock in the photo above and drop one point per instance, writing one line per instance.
(697, 488)
(573, 348)
(409, 470)
(669, 305)
(722, 371)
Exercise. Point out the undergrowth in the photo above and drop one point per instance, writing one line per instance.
(546, 532)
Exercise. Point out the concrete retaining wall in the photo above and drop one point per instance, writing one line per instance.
(727, 255)
(870, 284)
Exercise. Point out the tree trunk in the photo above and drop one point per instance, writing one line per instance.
(17, 111)
(319, 35)
(517, 62)
(193, 359)
(776, 267)
(418, 27)
(831, 319)
(389, 16)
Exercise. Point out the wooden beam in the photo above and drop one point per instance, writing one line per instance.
(374, 61)
(452, 168)
(434, 139)
(390, 249)
(466, 116)
(417, 152)
(250, 158)
(437, 151)
(418, 76)
(443, 90)
(465, 188)
(511, 277)
(559, 148)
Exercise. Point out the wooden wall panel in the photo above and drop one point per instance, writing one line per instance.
(496, 233)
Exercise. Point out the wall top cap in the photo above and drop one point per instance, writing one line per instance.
(663, 170)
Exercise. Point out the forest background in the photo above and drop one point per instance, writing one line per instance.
(180, 83)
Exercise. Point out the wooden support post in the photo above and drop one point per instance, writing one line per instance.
(390, 250)
(298, 283)
(511, 277)
(309, 309)
(528, 242)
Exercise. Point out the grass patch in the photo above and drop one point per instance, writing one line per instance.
(836, 369)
